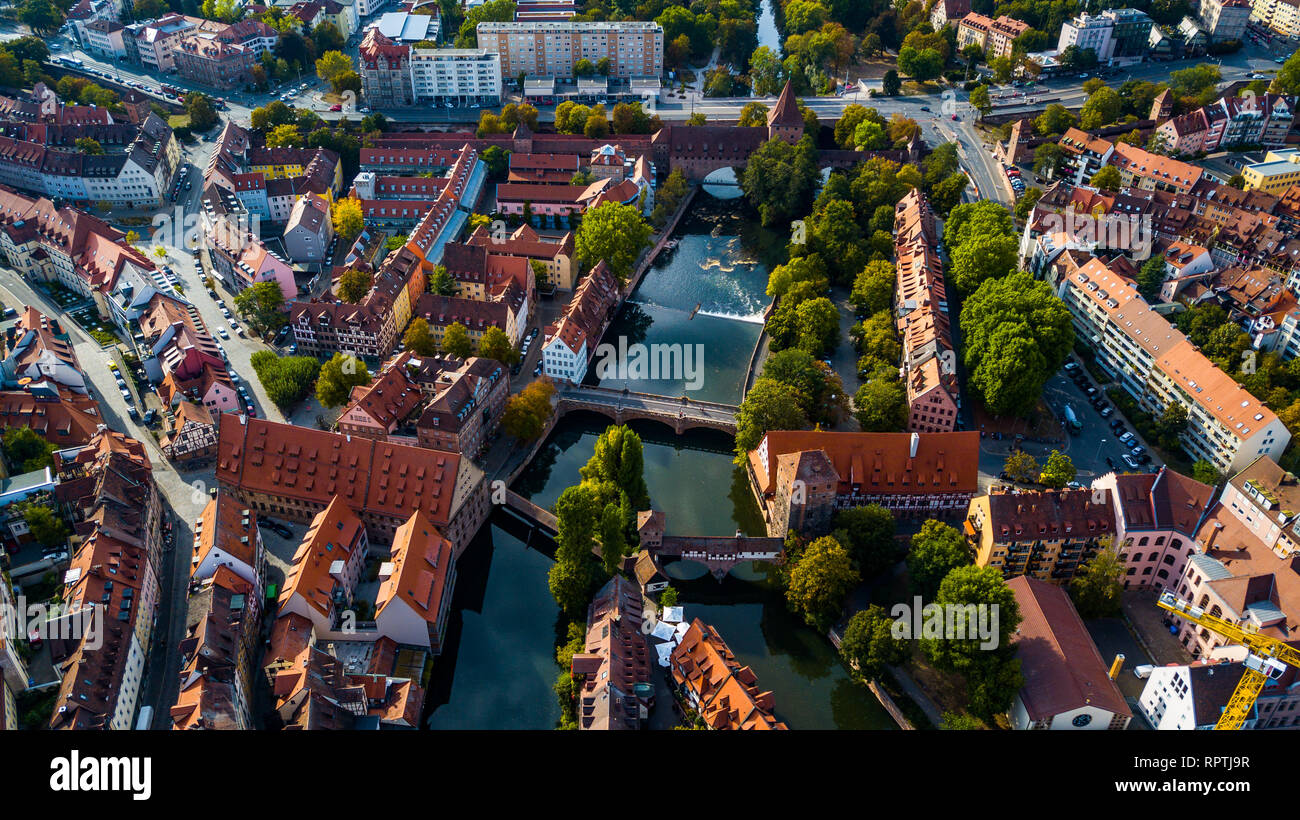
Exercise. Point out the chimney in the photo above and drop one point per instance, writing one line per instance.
(1117, 665)
(916, 441)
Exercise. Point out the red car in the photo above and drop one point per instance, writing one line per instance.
(336, 108)
(954, 116)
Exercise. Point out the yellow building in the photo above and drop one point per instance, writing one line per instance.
(1047, 534)
(1279, 171)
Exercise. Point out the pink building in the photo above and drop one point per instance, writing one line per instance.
(1155, 528)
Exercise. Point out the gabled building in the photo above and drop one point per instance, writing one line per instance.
(223, 630)
(1157, 516)
(1066, 682)
(570, 343)
(1048, 535)
(615, 688)
(713, 682)
(800, 477)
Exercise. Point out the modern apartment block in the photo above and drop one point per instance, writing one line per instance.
(1281, 16)
(550, 49)
(1156, 364)
(1046, 534)
(1112, 34)
(459, 76)
(1278, 172)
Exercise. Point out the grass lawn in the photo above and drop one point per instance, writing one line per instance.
(178, 120)
(913, 87)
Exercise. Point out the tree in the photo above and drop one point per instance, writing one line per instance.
(936, 550)
(820, 391)
(26, 451)
(1047, 158)
(1017, 333)
(456, 342)
(869, 645)
(956, 722)
(1021, 466)
(983, 257)
(765, 72)
(979, 98)
(584, 68)
(331, 64)
(1058, 471)
(287, 379)
(272, 114)
(630, 118)
(1107, 179)
(891, 84)
(348, 220)
(418, 338)
(497, 161)
(89, 145)
(1206, 473)
(596, 127)
(753, 114)
(873, 288)
(284, 136)
(921, 65)
(880, 405)
(496, 345)
(41, 15)
(868, 533)
(202, 113)
(617, 459)
(819, 581)
(615, 233)
(337, 378)
(441, 282)
(261, 304)
(779, 179)
(354, 284)
(45, 525)
(1103, 107)
(1096, 588)
(971, 219)
(528, 412)
(819, 326)
(1287, 80)
(769, 405)
(982, 587)
(513, 115)
(1055, 119)
(697, 118)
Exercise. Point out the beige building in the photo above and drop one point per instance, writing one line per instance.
(1281, 16)
(1046, 535)
(550, 49)
(995, 37)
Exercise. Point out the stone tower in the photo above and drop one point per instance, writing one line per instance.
(784, 120)
(804, 496)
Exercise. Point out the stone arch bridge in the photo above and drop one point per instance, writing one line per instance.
(681, 414)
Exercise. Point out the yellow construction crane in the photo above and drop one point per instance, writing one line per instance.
(1266, 658)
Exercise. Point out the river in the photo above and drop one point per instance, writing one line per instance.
(498, 669)
(767, 33)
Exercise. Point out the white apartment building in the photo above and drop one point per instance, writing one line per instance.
(550, 49)
(460, 76)
(1158, 366)
(1088, 32)
(1225, 19)
(156, 41)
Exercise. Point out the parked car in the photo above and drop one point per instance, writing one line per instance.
(1091, 392)
(1070, 367)
(1107, 412)
(221, 331)
(336, 107)
(1143, 670)
(1128, 439)
(1130, 462)
(1117, 424)
(1137, 451)
(537, 371)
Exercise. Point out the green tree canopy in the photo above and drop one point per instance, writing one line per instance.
(819, 582)
(337, 378)
(869, 645)
(615, 233)
(936, 550)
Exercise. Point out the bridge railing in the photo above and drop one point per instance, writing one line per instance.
(686, 401)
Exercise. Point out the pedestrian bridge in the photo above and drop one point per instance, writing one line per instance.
(681, 414)
(532, 513)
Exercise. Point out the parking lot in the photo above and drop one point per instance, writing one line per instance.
(1103, 439)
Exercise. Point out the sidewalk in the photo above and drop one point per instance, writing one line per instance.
(1148, 624)
(918, 695)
